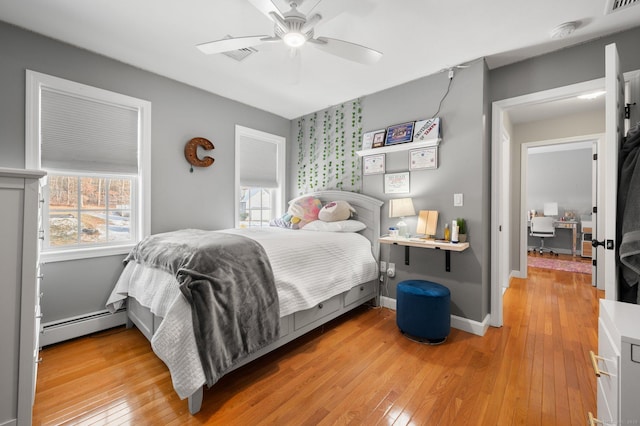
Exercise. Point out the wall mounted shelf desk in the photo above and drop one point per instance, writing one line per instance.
(448, 247)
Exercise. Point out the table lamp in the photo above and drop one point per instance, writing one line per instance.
(401, 207)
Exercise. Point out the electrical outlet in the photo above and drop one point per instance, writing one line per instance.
(383, 266)
(391, 270)
(457, 200)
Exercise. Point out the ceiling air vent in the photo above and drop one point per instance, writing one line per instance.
(239, 54)
(615, 5)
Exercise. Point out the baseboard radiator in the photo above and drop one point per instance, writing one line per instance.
(70, 328)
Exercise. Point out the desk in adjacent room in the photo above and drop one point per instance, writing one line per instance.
(567, 224)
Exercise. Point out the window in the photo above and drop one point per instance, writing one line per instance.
(256, 206)
(85, 210)
(94, 145)
(260, 171)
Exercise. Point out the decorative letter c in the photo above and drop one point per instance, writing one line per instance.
(191, 152)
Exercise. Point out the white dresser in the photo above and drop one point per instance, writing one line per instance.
(20, 298)
(617, 364)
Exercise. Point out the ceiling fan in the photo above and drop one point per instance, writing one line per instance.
(294, 29)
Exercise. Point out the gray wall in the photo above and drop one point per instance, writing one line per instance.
(179, 199)
(568, 66)
(462, 167)
(560, 176)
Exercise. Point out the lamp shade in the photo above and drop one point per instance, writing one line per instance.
(401, 207)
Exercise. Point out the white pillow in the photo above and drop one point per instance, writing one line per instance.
(337, 226)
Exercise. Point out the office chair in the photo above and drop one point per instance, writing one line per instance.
(542, 227)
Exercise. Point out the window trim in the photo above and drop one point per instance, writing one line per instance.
(35, 81)
(280, 142)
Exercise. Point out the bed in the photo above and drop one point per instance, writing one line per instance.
(311, 291)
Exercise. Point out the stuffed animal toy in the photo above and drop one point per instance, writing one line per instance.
(336, 210)
(303, 211)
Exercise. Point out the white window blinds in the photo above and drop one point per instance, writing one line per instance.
(87, 135)
(258, 163)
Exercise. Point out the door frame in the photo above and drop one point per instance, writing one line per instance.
(596, 138)
(501, 169)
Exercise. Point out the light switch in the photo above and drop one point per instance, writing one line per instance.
(457, 200)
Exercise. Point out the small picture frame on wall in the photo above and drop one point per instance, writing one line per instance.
(400, 133)
(378, 138)
(372, 139)
(373, 164)
(396, 183)
(423, 158)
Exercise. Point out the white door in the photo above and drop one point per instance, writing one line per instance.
(606, 219)
(595, 201)
(505, 223)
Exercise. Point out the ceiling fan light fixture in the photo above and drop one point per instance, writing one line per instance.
(294, 39)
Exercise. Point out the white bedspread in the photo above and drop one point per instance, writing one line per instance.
(308, 266)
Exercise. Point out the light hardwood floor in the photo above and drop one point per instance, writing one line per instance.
(357, 370)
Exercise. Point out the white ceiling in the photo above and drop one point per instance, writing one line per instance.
(417, 37)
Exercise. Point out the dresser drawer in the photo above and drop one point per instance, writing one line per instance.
(607, 383)
(302, 318)
(360, 292)
(629, 381)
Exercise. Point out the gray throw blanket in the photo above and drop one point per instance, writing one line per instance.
(629, 212)
(228, 281)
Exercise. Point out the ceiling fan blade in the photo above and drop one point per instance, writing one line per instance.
(344, 49)
(266, 7)
(228, 44)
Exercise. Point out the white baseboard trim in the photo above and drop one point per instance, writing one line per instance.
(464, 324)
(470, 326)
(70, 328)
(517, 273)
(387, 302)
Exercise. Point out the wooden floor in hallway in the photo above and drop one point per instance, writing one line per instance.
(358, 369)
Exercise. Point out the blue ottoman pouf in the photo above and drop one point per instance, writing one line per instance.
(423, 310)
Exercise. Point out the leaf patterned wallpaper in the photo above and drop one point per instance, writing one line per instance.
(327, 142)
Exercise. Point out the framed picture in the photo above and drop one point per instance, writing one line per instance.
(378, 138)
(400, 133)
(396, 183)
(423, 158)
(373, 164)
(427, 130)
(371, 139)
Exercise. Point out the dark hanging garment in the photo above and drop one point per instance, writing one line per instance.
(628, 217)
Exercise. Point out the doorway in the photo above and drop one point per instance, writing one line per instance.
(560, 173)
(506, 221)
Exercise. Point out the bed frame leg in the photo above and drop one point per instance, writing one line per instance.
(129, 323)
(195, 401)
